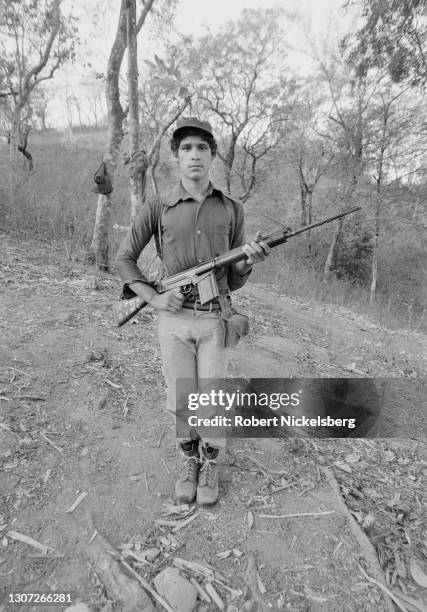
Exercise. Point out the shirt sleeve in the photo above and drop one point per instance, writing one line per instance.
(236, 280)
(143, 228)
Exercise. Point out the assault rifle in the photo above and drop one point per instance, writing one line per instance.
(203, 277)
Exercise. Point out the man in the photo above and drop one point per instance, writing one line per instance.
(191, 224)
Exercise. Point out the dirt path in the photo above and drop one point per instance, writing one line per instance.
(81, 410)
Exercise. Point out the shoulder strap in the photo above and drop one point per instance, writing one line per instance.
(229, 204)
(158, 209)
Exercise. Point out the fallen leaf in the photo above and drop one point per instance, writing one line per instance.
(352, 458)
(314, 596)
(418, 575)
(224, 555)
(343, 466)
(368, 521)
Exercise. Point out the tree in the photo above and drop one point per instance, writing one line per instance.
(307, 151)
(39, 103)
(163, 99)
(242, 89)
(98, 251)
(28, 25)
(350, 94)
(393, 36)
(138, 173)
(395, 140)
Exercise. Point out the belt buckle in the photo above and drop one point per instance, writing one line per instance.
(202, 308)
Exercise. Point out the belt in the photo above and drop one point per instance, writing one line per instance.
(211, 307)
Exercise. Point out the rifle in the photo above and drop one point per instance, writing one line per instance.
(203, 277)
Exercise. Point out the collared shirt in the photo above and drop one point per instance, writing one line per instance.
(191, 233)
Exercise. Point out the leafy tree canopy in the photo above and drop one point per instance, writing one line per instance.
(393, 35)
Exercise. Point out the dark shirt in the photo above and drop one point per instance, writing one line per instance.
(191, 234)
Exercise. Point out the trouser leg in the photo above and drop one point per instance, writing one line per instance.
(178, 351)
(212, 363)
(192, 347)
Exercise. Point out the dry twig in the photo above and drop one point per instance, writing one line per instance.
(383, 588)
(78, 501)
(283, 516)
(20, 537)
(60, 450)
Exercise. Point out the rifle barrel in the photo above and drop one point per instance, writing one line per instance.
(273, 240)
(349, 211)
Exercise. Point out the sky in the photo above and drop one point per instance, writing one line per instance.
(191, 15)
(99, 21)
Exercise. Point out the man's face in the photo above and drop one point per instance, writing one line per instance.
(194, 158)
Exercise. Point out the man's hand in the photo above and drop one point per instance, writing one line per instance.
(256, 251)
(170, 301)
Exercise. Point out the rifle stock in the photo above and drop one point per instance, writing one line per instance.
(125, 309)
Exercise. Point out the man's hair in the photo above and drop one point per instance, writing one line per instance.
(176, 141)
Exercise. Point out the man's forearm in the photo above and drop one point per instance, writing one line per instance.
(146, 292)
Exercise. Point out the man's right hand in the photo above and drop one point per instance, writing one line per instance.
(170, 301)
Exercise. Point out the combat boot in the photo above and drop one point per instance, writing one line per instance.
(186, 486)
(207, 488)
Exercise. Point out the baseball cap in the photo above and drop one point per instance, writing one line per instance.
(192, 122)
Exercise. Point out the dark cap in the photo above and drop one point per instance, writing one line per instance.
(192, 122)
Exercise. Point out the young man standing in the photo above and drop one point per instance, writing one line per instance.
(192, 223)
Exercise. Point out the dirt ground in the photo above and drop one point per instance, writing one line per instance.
(82, 410)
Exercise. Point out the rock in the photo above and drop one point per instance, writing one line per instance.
(178, 591)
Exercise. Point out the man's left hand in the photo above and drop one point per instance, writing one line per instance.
(256, 251)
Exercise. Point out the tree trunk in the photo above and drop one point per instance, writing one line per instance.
(98, 252)
(310, 217)
(229, 161)
(372, 295)
(14, 138)
(332, 249)
(115, 128)
(132, 78)
(303, 202)
(15, 133)
(99, 247)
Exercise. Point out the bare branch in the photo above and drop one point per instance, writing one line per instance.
(146, 9)
(165, 127)
(27, 86)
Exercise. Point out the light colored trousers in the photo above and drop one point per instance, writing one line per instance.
(192, 347)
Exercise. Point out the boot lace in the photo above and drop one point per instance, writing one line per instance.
(208, 473)
(190, 469)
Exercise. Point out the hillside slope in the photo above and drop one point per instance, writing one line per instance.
(81, 410)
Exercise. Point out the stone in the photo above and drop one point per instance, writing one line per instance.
(176, 589)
